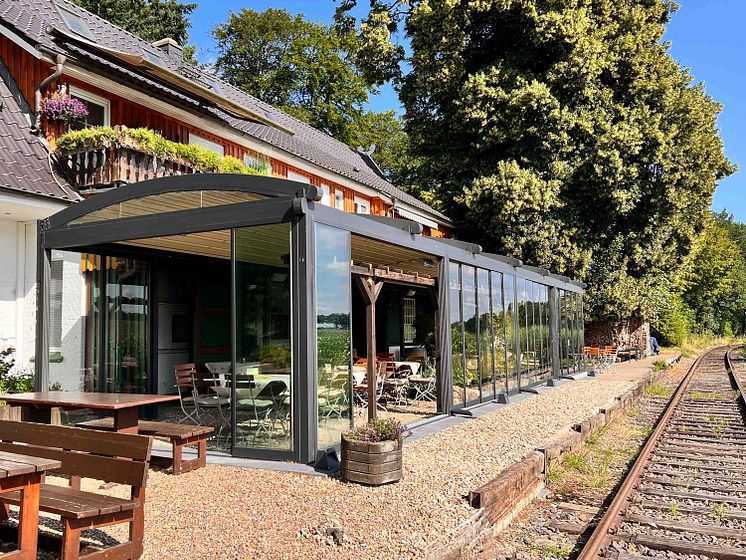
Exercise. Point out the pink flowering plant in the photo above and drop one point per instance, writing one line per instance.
(386, 429)
(61, 107)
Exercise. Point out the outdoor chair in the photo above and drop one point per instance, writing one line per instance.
(192, 403)
(264, 409)
(332, 397)
(424, 391)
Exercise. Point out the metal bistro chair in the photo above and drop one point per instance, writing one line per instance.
(192, 403)
(425, 391)
(263, 408)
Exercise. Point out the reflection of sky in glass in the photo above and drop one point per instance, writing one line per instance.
(332, 270)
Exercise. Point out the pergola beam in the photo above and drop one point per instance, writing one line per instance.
(371, 290)
(389, 275)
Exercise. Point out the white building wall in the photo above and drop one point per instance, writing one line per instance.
(8, 277)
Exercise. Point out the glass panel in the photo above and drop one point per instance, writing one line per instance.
(457, 340)
(167, 202)
(333, 335)
(471, 333)
(74, 308)
(510, 333)
(262, 382)
(126, 326)
(485, 335)
(499, 354)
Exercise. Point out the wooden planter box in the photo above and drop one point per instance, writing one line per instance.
(371, 463)
(111, 166)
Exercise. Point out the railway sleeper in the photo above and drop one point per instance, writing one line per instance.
(681, 547)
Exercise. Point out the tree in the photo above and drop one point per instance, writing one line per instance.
(561, 133)
(308, 70)
(302, 67)
(149, 19)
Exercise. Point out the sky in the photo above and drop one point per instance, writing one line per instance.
(706, 36)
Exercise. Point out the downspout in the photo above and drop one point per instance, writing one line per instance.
(60, 60)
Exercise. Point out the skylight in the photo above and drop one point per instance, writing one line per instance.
(75, 23)
(154, 58)
(215, 86)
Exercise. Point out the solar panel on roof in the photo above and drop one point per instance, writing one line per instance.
(75, 23)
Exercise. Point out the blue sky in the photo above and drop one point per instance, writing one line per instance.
(705, 35)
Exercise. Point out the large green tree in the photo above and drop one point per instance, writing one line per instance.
(559, 132)
(149, 19)
(308, 69)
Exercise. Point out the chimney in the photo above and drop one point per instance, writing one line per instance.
(170, 46)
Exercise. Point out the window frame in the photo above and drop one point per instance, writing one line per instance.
(85, 95)
(206, 143)
(362, 203)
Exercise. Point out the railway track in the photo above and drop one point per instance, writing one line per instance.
(685, 495)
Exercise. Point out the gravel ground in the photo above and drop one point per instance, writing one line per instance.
(241, 513)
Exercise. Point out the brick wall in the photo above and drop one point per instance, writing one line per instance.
(633, 333)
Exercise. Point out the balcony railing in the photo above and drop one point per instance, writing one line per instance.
(116, 165)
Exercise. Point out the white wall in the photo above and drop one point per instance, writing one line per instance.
(8, 274)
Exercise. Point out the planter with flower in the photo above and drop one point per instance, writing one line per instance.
(372, 453)
(59, 110)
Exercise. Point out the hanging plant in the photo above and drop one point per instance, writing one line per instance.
(61, 107)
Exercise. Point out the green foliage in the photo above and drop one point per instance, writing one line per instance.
(308, 69)
(563, 134)
(661, 365)
(13, 379)
(151, 142)
(150, 20)
(333, 347)
(671, 327)
(276, 354)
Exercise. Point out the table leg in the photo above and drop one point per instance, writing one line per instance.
(28, 518)
(125, 420)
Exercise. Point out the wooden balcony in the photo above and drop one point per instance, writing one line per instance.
(116, 165)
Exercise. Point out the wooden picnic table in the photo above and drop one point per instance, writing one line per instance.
(24, 473)
(124, 406)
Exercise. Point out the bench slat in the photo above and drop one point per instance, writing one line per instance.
(153, 428)
(114, 444)
(87, 465)
(72, 503)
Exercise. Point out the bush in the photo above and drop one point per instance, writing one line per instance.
(150, 142)
(13, 379)
(673, 325)
(386, 429)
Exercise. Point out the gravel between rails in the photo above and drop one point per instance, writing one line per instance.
(241, 513)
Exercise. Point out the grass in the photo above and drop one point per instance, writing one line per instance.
(660, 365)
(658, 390)
(696, 343)
(717, 425)
(674, 509)
(719, 512)
(706, 395)
(576, 460)
(593, 438)
(552, 551)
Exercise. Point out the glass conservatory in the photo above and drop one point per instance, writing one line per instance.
(296, 320)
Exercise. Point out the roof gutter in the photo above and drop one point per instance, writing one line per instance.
(60, 60)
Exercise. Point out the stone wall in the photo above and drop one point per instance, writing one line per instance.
(634, 333)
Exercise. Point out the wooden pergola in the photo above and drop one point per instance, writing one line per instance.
(370, 280)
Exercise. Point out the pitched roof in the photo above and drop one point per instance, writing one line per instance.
(24, 161)
(303, 141)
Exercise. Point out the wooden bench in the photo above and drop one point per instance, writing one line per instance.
(106, 456)
(179, 435)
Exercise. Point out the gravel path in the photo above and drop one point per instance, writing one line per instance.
(230, 512)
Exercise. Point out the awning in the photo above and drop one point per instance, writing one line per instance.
(407, 214)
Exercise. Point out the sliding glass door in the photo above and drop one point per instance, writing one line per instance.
(261, 382)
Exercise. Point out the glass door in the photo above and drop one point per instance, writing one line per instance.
(261, 381)
(126, 326)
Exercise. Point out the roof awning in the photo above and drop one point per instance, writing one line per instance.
(415, 217)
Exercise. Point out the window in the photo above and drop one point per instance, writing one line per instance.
(409, 312)
(98, 107)
(197, 140)
(362, 206)
(325, 195)
(76, 23)
(339, 200)
(55, 306)
(298, 177)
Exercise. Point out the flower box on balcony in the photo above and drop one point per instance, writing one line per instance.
(116, 165)
(110, 156)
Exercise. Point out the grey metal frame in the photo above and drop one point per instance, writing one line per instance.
(297, 203)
